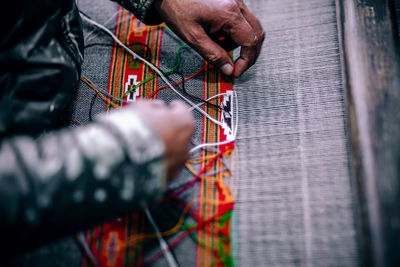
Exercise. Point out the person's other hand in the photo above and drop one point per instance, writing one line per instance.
(174, 125)
(193, 20)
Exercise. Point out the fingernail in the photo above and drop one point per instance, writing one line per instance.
(227, 69)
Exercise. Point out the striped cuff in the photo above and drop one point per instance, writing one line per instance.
(143, 9)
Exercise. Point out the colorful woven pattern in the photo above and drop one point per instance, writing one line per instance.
(194, 218)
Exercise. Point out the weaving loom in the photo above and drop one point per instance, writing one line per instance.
(291, 189)
(291, 113)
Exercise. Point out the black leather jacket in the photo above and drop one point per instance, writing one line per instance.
(56, 183)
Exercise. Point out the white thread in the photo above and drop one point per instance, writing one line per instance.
(82, 239)
(234, 131)
(194, 106)
(237, 115)
(164, 246)
(136, 56)
(211, 144)
(210, 98)
(106, 22)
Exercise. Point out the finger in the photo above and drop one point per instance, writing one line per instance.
(248, 56)
(183, 113)
(157, 103)
(176, 164)
(172, 172)
(153, 102)
(207, 48)
(181, 110)
(254, 23)
(178, 104)
(244, 35)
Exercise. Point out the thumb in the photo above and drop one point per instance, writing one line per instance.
(208, 49)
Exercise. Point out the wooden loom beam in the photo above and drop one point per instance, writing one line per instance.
(370, 62)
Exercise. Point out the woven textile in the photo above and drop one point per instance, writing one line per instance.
(294, 204)
(196, 216)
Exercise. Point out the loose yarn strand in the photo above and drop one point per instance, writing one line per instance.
(163, 244)
(136, 56)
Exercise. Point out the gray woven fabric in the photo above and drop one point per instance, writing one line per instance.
(97, 61)
(294, 204)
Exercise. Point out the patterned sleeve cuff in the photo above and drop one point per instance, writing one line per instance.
(145, 151)
(143, 9)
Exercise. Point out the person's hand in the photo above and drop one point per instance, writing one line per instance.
(174, 124)
(193, 20)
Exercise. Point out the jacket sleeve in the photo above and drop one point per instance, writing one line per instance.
(143, 10)
(73, 178)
